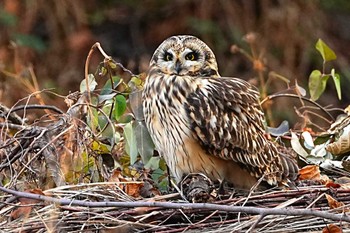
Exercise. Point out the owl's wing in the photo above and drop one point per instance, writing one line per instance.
(228, 121)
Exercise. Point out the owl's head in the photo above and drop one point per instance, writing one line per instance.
(184, 55)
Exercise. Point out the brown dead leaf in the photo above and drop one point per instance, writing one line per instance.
(36, 191)
(332, 228)
(144, 210)
(149, 190)
(310, 172)
(24, 211)
(21, 212)
(116, 176)
(332, 203)
(341, 145)
(331, 184)
(128, 185)
(26, 201)
(133, 189)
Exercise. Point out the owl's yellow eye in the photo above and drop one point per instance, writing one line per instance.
(168, 56)
(191, 56)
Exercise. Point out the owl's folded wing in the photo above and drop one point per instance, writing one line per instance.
(227, 120)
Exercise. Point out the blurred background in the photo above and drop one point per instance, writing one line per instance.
(48, 41)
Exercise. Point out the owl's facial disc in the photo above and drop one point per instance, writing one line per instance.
(185, 56)
(181, 62)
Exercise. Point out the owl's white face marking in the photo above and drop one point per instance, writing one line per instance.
(185, 55)
(181, 62)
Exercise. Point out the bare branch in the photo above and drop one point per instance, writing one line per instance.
(36, 106)
(270, 97)
(170, 205)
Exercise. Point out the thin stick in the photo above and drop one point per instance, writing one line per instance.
(270, 97)
(36, 106)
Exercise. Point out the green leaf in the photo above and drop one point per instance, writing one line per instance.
(126, 118)
(93, 119)
(107, 97)
(317, 84)
(91, 82)
(135, 101)
(108, 87)
(326, 52)
(102, 121)
(119, 106)
(109, 134)
(131, 144)
(153, 163)
(100, 148)
(336, 80)
(136, 81)
(145, 144)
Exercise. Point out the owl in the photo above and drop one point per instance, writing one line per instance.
(203, 123)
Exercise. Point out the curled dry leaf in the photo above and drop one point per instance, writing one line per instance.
(332, 228)
(310, 172)
(334, 204)
(341, 146)
(341, 128)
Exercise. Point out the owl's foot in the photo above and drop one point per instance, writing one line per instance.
(197, 187)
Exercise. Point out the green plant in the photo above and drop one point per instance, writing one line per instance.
(318, 79)
(115, 117)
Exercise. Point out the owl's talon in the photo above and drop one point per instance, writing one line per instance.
(197, 188)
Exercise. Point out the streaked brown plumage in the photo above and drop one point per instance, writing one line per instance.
(203, 123)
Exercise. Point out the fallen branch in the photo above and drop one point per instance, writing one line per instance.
(234, 209)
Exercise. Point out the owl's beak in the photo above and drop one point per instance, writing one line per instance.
(178, 67)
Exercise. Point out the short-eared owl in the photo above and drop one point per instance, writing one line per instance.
(203, 123)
